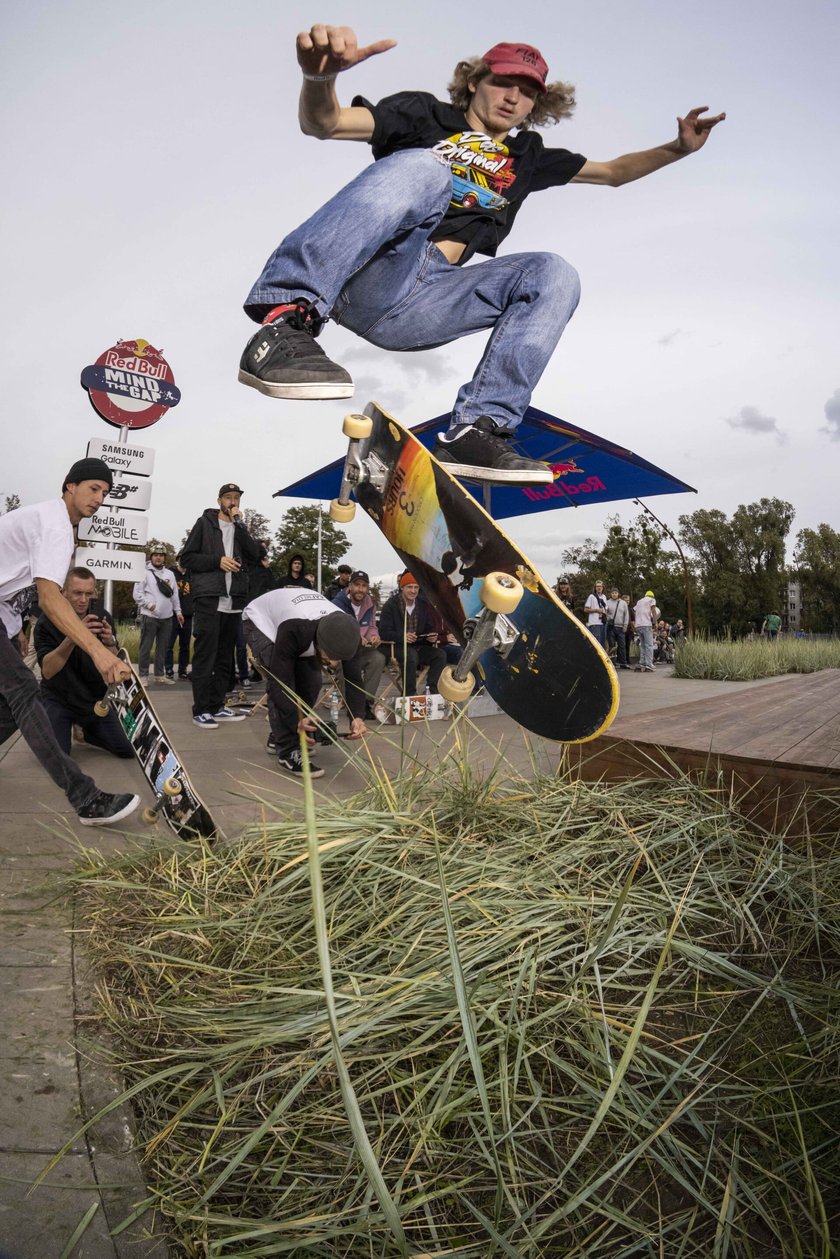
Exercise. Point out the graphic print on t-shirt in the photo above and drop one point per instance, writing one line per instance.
(482, 170)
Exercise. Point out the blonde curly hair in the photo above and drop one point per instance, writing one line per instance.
(558, 100)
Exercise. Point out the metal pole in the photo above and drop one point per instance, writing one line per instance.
(108, 598)
(318, 570)
(686, 578)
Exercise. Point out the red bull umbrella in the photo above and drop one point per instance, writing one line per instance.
(587, 469)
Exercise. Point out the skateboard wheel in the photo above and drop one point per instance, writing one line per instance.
(172, 787)
(342, 512)
(453, 691)
(102, 708)
(149, 816)
(357, 426)
(501, 592)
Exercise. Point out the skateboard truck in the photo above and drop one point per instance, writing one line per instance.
(357, 428)
(500, 593)
(170, 787)
(103, 706)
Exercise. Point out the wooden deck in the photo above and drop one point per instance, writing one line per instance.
(771, 746)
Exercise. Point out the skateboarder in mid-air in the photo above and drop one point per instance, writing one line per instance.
(385, 256)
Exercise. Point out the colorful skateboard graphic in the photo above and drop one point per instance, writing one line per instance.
(176, 800)
(537, 661)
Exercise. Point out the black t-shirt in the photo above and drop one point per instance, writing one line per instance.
(490, 180)
(79, 684)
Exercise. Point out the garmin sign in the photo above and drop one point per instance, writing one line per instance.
(107, 565)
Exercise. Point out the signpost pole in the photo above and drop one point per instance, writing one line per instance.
(113, 546)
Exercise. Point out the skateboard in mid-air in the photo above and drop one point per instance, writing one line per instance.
(536, 660)
(176, 800)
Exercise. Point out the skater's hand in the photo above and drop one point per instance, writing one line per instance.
(111, 667)
(307, 726)
(358, 729)
(331, 49)
(693, 131)
(229, 565)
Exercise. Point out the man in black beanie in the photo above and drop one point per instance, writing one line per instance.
(36, 551)
(294, 634)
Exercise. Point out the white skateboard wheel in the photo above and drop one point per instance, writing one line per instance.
(501, 592)
(343, 513)
(451, 689)
(357, 426)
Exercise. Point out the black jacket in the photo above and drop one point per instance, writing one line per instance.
(392, 619)
(202, 552)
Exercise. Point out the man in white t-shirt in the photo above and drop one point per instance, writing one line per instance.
(294, 633)
(645, 614)
(596, 613)
(36, 551)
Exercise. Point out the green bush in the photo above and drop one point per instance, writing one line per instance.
(723, 660)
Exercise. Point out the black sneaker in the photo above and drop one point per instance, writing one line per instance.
(283, 359)
(483, 452)
(293, 762)
(105, 809)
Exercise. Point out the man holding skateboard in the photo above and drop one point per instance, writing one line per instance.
(384, 257)
(36, 547)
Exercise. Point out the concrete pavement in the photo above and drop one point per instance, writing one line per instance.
(50, 1043)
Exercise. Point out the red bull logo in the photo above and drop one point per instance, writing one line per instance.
(565, 468)
(590, 485)
(131, 384)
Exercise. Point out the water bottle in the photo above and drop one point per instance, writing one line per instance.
(335, 707)
(428, 700)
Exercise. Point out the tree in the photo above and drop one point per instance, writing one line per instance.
(817, 559)
(739, 562)
(257, 525)
(298, 532)
(12, 503)
(633, 558)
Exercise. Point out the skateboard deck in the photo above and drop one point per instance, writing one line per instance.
(177, 801)
(555, 679)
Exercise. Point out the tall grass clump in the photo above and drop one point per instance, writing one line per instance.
(725, 660)
(128, 636)
(468, 1017)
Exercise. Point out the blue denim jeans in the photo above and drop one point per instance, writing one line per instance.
(21, 709)
(365, 259)
(645, 633)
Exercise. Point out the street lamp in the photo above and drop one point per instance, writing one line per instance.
(686, 579)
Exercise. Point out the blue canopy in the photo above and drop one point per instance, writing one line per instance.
(587, 469)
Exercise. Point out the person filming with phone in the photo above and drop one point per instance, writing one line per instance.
(70, 682)
(217, 555)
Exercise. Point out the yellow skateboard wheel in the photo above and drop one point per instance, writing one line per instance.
(358, 426)
(501, 592)
(453, 691)
(342, 512)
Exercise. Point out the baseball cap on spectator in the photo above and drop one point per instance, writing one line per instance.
(522, 60)
(338, 635)
(230, 488)
(649, 594)
(359, 575)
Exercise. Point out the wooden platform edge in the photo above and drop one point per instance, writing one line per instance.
(793, 799)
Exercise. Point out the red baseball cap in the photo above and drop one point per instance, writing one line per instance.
(520, 59)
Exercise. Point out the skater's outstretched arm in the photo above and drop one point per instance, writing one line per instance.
(692, 133)
(323, 53)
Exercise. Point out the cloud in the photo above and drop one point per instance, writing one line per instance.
(398, 376)
(750, 420)
(670, 337)
(832, 414)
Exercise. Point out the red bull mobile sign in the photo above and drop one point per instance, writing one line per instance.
(131, 384)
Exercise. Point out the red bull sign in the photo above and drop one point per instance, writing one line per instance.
(131, 384)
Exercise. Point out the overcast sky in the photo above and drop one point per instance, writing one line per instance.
(152, 161)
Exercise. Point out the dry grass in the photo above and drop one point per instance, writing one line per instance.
(486, 1017)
